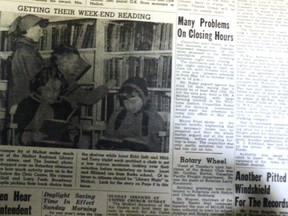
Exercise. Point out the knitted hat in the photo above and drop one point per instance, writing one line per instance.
(24, 23)
(137, 83)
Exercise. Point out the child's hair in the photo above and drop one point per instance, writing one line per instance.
(62, 50)
(67, 52)
(44, 75)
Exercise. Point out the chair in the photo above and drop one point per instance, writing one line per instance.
(93, 121)
(95, 129)
(164, 135)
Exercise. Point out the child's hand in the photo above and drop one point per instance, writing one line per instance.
(74, 135)
(38, 136)
(111, 83)
(28, 137)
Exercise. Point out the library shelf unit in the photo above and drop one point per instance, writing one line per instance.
(116, 49)
(4, 54)
(130, 48)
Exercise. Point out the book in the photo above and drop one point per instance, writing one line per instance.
(81, 36)
(55, 129)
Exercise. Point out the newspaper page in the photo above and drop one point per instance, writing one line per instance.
(153, 107)
(230, 129)
(85, 103)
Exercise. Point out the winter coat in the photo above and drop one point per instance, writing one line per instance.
(26, 63)
(143, 126)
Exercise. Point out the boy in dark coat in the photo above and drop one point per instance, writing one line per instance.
(69, 62)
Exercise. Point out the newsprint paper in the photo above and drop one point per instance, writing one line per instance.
(143, 107)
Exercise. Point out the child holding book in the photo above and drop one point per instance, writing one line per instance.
(44, 103)
(69, 62)
(136, 123)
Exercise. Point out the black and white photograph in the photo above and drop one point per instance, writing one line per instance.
(143, 107)
(85, 83)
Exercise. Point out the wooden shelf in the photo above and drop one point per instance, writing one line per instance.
(116, 89)
(5, 55)
(3, 85)
(152, 53)
(2, 114)
(86, 117)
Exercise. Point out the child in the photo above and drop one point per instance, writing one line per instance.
(26, 59)
(135, 120)
(69, 62)
(44, 103)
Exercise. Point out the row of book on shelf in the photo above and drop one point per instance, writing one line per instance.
(133, 36)
(77, 34)
(120, 35)
(156, 70)
(6, 42)
(4, 68)
(80, 34)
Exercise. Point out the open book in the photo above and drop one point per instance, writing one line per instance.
(55, 129)
(122, 144)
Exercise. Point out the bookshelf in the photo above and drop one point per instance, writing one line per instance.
(130, 48)
(142, 49)
(77, 32)
(116, 50)
(5, 46)
(4, 54)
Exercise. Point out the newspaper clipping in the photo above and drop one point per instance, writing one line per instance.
(151, 107)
